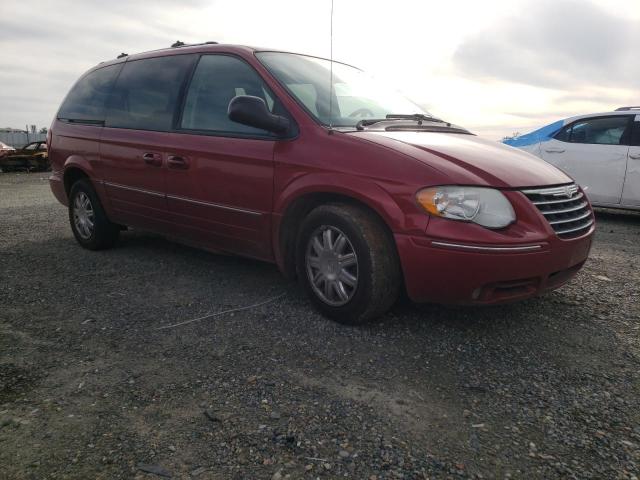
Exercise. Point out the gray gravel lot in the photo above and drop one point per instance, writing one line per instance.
(90, 388)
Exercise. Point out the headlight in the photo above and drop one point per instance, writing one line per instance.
(484, 206)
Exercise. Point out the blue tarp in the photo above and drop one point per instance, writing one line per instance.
(540, 135)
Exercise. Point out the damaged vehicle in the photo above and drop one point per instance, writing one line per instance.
(345, 184)
(33, 157)
(5, 149)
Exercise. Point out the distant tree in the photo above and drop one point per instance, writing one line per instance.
(43, 130)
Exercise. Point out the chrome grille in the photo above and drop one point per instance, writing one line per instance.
(565, 208)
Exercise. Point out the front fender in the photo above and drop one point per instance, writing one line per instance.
(366, 191)
(373, 193)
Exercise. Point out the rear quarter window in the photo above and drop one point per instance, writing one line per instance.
(87, 99)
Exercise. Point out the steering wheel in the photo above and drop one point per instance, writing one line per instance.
(361, 112)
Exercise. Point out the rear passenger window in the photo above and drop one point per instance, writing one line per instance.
(217, 80)
(86, 101)
(146, 93)
(601, 131)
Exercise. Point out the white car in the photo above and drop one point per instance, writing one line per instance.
(601, 151)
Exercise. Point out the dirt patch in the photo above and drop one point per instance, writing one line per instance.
(16, 380)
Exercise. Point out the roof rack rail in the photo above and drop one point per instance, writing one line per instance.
(179, 44)
(622, 109)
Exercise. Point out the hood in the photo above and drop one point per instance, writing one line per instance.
(471, 160)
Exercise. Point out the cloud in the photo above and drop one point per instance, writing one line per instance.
(583, 56)
(555, 44)
(42, 59)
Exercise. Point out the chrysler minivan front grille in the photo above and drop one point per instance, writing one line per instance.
(566, 209)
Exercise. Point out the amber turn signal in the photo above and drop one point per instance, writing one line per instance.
(428, 199)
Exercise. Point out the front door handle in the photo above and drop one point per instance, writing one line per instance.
(554, 150)
(175, 161)
(154, 159)
(635, 156)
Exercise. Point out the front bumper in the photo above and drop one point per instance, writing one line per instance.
(462, 273)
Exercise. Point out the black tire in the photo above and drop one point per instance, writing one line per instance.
(379, 277)
(104, 233)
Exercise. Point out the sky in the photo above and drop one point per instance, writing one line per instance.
(493, 66)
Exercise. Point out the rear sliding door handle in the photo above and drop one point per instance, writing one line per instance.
(554, 150)
(175, 161)
(635, 156)
(154, 159)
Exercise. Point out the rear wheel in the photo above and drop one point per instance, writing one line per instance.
(347, 262)
(89, 223)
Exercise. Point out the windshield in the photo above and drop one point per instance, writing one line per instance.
(355, 95)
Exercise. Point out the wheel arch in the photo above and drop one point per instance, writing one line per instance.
(299, 205)
(71, 176)
(75, 168)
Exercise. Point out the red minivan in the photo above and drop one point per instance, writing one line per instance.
(342, 182)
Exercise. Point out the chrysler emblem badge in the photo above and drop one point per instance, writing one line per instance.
(569, 190)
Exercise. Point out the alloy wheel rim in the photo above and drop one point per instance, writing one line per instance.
(332, 265)
(83, 215)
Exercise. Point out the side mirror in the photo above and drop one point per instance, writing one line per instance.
(253, 111)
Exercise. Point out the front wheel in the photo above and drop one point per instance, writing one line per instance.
(347, 263)
(89, 222)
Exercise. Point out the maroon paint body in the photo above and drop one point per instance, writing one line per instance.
(231, 194)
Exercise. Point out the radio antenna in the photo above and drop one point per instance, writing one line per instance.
(331, 72)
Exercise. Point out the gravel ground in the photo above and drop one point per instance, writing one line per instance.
(91, 388)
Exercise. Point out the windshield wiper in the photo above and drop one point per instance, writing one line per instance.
(368, 121)
(414, 116)
(86, 121)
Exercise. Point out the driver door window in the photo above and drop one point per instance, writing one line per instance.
(218, 79)
(597, 131)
